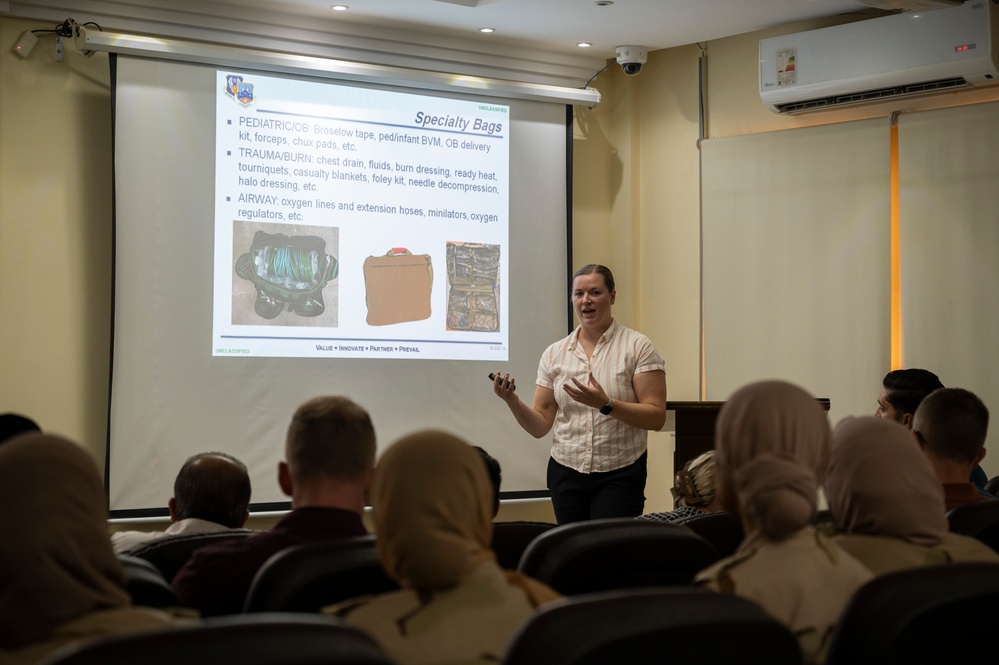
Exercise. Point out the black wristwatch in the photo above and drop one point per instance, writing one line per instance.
(607, 408)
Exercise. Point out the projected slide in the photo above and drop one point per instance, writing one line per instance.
(358, 223)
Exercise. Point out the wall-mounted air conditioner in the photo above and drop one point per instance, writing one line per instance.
(901, 55)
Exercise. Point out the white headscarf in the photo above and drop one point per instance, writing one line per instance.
(56, 562)
(772, 443)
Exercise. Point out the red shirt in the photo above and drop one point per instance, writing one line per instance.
(958, 494)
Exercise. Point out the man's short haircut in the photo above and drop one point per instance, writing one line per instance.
(214, 487)
(332, 437)
(12, 424)
(495, 473)
(953, 424)
(908, 387)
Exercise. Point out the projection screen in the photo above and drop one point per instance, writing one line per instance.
(281, 237)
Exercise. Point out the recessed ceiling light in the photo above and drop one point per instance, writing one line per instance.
(604, 3)
(584, 44)
(339, 8)
(487, 29)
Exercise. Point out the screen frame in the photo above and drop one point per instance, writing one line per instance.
(271, 506)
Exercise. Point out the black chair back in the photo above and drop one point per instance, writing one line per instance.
(145, 584)
(169, 554)
(600, 555)
(652, 626)
(306, 578)
(263, 639)
(933, 615)
(722, 530)
(992, 487)
(510, 539)
(979, 520)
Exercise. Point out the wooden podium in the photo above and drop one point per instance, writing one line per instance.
(694, 426)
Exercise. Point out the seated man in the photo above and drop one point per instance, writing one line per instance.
(950, 426)
(211, 494)
(330, 456)
(901, 392)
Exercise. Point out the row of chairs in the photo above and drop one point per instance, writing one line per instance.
(572, 559)
(635, 626)
(932, 615)
(979, 520)
(169, 555)
(263, 639)
(578, 558)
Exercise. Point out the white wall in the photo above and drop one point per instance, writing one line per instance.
(636, 207)
(55, 237)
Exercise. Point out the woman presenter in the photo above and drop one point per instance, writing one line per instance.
(600, 389)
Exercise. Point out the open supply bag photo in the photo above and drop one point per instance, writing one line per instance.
(473, 283)
(288, 272)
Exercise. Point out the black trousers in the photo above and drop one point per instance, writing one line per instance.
(577, 497)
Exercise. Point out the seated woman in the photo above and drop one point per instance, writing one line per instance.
(59, 577)
(895, 520)
(772, 445)
(693, 490)
(433, 506)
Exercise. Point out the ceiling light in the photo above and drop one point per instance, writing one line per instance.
(604, 3)
(339, 8)
(584, 44)
(487, 29)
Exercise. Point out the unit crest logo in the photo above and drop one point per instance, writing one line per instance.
(239, 90)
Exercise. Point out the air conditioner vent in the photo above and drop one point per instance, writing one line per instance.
(871, 96)
(934, 86)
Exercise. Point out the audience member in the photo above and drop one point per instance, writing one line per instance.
(495, 475)
(890, 521)
(12, 424)
(211, 494)
(950, 426)
(902, 390)
(59, 579)
(329, 457)
(694, 491)
(433, 504)
(772, 446)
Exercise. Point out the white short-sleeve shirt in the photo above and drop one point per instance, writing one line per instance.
(583, 438)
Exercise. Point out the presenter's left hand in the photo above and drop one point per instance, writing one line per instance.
(591, 394)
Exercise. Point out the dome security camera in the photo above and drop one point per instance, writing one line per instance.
(631, 58)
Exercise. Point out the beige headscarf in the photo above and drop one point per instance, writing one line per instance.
(879, 483)
(56, 562)
(772, 443)
(433, 507)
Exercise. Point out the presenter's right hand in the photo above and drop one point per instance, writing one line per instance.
(505, 386)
